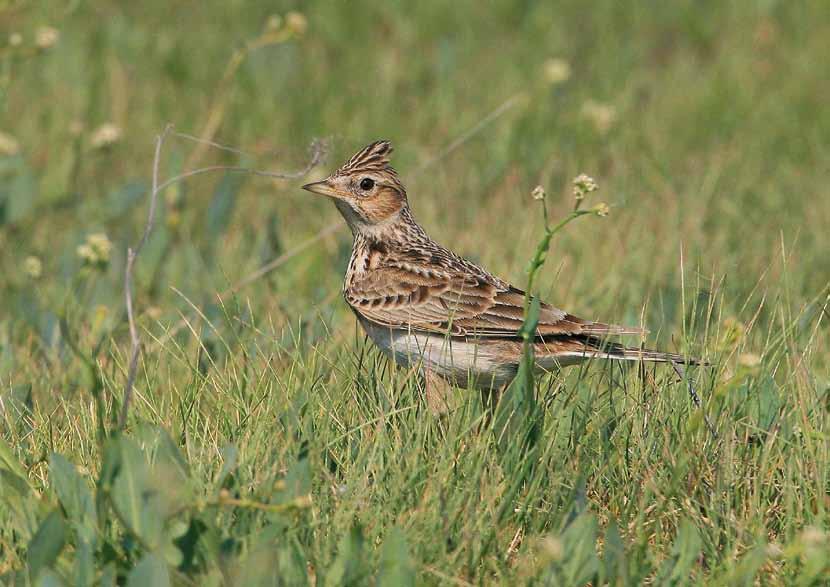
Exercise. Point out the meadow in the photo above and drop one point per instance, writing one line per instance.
(266, 441)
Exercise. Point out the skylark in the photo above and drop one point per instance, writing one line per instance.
(429, 308)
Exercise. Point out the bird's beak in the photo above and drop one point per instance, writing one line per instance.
(324, 188)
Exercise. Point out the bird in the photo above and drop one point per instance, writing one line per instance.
(430, 309)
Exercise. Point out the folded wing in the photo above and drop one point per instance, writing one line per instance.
(430, 299)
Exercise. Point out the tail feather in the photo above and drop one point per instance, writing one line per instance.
(583, 348)
(637, 354)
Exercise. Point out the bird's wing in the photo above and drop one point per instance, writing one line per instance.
(429, 299)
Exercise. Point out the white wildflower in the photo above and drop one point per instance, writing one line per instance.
(556, 70)
(274, 22)
(296, 22)
(33, 267)
(105, 136)
(602, 209)
(96, 250)
(9, 147)
(602, 116)
(46, 37)
(583, 185)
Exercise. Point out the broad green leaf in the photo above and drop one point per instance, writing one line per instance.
(349, 566)
(72, 491)
(396, 568)
(298, 478)
(163, 450)
(136, 500)
(110, 467)
(84, 563)
(109, 576)
(614, 556)
(685, 552)
(171, 553)
(580, 563)
(201, 540)
(78, 503)
(293, 564)
(22, 508)
(49, 578)
(274, 558)
(47, 543)
(146, 496)
(745, 572)
(151, 571)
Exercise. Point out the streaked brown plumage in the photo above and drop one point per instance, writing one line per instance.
(428, 307)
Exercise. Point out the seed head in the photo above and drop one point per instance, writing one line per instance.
(33, 267)
(296, 22)
(538, 193)
(583, 185)
(274, 22)
(46, 37)
(602, 116)
(556, 70)
(9, 147)
(105, 136)
(602, 209)
(95, 251)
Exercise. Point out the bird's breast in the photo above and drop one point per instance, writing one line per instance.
(453, 358)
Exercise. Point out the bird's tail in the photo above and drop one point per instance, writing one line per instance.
(585, 348)
(624, 353)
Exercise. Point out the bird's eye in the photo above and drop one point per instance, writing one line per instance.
(367, 183)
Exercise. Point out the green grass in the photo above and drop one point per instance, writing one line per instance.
(268, 441)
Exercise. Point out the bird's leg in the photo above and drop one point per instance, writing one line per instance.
(490, 397)
(437, 391)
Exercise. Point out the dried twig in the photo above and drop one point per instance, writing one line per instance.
(135, 341)
(318, 151)
(317, 154)
(470, 132)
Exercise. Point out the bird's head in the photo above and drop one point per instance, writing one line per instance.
(366, 189)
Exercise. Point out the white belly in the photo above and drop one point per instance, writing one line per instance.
(457, 360)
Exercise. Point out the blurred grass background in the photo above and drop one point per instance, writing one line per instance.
(706, 126)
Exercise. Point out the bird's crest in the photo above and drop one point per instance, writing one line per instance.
(373, 157)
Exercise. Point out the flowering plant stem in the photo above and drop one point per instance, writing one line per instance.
(519, 406)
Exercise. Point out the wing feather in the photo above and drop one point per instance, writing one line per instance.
(428, 299)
